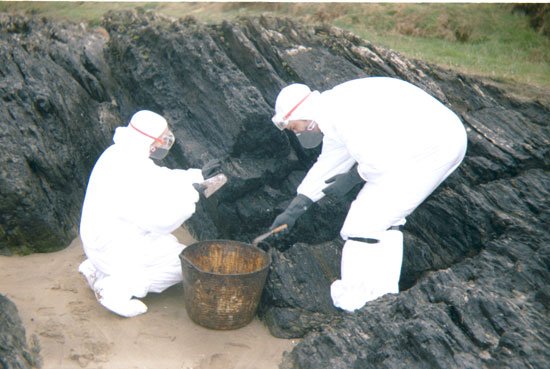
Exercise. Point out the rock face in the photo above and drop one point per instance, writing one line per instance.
(14, 350)
(477, 252)
(55, 123)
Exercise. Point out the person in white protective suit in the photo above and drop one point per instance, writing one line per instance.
(130, 209)
(388, 134)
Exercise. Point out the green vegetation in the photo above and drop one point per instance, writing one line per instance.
(488, 40)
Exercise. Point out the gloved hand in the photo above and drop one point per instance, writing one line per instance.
(343, 183)
(212, 168)
(200, 189)
(294, 210)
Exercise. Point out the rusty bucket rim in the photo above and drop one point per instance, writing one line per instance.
(268, 255)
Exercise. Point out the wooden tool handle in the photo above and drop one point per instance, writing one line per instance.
(262, 237)
(280, 228)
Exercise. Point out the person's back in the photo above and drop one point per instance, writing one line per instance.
(100, 220)
(383, 97)
(387, 122)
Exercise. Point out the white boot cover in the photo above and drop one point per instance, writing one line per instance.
(368, 271)
(116, 296)
(89, 271)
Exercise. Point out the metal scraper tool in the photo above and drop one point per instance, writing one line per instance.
(211, 185)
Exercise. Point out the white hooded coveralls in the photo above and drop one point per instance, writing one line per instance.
(130, 209)
(405, 143)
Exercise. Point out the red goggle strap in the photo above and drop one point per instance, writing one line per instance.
(287, 115)
(146, 134)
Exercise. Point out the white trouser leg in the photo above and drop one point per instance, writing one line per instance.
(165, 274)
(388, 270)
(368, 271)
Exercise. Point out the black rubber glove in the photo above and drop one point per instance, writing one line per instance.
(343, 183)
(294, 210)
(200, 189)
(211, 168)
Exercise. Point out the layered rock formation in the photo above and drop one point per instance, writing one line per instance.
(476, 266)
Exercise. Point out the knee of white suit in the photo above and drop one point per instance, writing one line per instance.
(368, 271)
(163, 281)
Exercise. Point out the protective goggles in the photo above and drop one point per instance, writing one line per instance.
(283, 123)
(159, 152)
(166, 140)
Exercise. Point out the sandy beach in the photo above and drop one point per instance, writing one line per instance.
(74, 331)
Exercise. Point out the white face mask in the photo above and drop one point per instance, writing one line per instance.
(158, 153)
(309, 138)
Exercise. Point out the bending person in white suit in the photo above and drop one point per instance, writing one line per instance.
(130, 209)
(383, 131)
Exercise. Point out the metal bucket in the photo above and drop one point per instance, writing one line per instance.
(223, 282)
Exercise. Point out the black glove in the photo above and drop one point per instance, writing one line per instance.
(294, 210)
(211, 168)
(343, 183)
(200, 189)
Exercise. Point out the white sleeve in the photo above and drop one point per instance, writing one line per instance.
(193, 175)
(165, 199)
(334, 159)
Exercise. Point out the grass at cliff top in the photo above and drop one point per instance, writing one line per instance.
(487, 40)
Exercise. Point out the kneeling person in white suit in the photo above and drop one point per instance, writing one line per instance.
(383, 131)
(130, 209)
